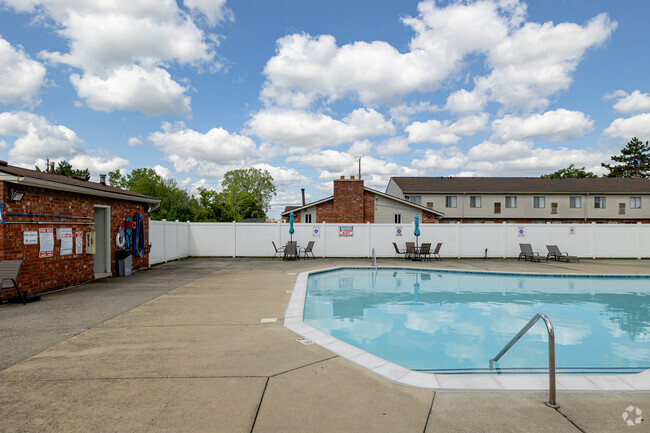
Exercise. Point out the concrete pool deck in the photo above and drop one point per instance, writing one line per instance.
(200, 358)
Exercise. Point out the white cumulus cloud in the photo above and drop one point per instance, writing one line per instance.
(633, 102)
(215, 11)
(21, 77)
(446, 132)
(301, 130)
(37, 138)
(132, 87)
(558, 125)
(635, 126)
(190, 150)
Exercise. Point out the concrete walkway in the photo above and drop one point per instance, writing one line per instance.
(197, 358)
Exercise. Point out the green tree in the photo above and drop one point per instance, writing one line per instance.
(634, 161)
(175, 203)
(64, 168)
(570, 171)
(243, 185)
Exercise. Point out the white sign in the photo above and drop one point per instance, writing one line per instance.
(398, 231)
(78, 242)
(66, 241)
(521, 232)
(316, 232)
(30, 238)
(46, 239)
(572, 230)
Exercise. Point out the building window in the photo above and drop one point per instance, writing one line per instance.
(450, 201)
(308, 218)
(635, 202)
(475, 201)
(416, 199)
(599, 202)
(621, 208)
(497, 207)
(511, 201)
(539, 202)
(554, 208)
(398, 218)
(575, 202)
(430, 204)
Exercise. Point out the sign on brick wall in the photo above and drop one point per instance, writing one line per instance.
(66, 241)
(78, 242)
(46, 240)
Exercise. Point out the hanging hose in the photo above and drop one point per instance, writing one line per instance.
(138, 235)
(119, 238)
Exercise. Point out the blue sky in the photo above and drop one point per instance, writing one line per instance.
(195, 88)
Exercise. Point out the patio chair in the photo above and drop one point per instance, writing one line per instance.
(557, 255)
(425, 251)
(528, 253)
(308, 250)
(9, 270)
(436, 252)
(399, 252)
(291, 251)
(278, 251)
(410, 249)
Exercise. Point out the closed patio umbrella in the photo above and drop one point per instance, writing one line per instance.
(416, 232)
(291, 230)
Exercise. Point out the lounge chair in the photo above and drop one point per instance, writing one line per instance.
(308, 250)
(278, 251)
(410, 249)
(436, 252)
(557, 255)
(528, 254)
(9, 270)
(398, 252)
(425, 251)
(291, 251)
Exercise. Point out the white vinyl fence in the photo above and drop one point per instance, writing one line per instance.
(173, 240)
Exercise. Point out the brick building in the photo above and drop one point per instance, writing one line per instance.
(36, 206)
(352, 202)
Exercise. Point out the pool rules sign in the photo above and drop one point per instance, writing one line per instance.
(46, 241)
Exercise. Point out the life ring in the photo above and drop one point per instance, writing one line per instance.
(119, 238)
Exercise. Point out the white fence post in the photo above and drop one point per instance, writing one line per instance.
(504, 240)
(639, 235)
(369, 240)
(165, 239)
(593, 241)
(178, 241)
(324, 235)
(458, 235)
(234, 239)
(189, 239)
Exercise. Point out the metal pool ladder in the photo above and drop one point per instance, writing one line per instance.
(551, 354)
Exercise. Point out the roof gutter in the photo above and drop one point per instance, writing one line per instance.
(73, 188)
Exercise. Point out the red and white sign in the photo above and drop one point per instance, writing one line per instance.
(346, 231)
(46, 241)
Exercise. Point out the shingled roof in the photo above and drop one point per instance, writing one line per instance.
(82, 186)
(522, 185)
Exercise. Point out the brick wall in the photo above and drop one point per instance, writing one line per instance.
(50, 273)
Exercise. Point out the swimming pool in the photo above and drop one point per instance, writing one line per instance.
(452, 323)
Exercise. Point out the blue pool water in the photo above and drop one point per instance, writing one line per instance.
(454, 322)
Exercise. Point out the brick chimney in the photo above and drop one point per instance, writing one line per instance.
(349, 200)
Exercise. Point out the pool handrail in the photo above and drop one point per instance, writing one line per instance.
(552, 402)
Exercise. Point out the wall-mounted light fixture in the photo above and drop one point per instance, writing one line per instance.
(16, 195)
